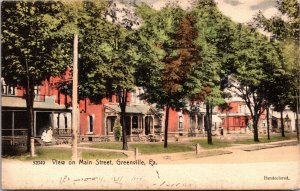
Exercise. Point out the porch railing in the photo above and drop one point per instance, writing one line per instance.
(66, 132)
(14, 132)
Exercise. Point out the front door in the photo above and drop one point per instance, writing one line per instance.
(148, 123)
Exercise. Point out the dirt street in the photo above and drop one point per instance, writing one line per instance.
(274, 168)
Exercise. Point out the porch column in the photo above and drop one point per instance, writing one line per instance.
(34, 123)
(131, 117)
(13, 127)
(52, 119)
(58, 116)
(196, 122)
(143, 122)
(143, 130)
(203, 127)
(163, 120)
(152, 124)
(105, 124)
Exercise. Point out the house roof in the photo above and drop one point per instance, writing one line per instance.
(143, 109)
(18, 102)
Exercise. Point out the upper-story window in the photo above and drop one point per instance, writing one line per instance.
(134, 98)
(180, 120)
(36, 93)
(7, 89)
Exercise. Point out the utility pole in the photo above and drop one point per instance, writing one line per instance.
(29, 99)
(74, 100)
(298, 102)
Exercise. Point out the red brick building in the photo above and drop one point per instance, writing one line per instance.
(52, 109)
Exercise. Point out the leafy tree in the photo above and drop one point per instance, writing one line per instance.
(280, 94)
(171, 34)
(256, 64)
(122, 55)
(87, 19)
(286, 30)
(108, 53)
(281, 28)
(122, 70)
(215, 34)
(31, 52)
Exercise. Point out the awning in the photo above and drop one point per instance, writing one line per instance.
(18, 102)
(142, 109)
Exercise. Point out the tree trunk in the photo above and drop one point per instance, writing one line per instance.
(297, 114)
(29, 105)
(268, 123)
(166, 127)
(30, 117)
(208, 124)
(282, 124)
(122, 103)
(196, 123)
(124, 137)
(74, 100)
(297, 121)
(255, 128)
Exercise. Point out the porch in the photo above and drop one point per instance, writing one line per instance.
(140, 120)
(45, 115)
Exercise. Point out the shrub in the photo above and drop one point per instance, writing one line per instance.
(118, 131)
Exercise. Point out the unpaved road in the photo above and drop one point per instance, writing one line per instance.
(239, 170)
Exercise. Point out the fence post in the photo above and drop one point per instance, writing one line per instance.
(32, 147)
(197, 149)
(136, 153)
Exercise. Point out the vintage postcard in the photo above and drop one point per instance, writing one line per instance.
(150, 94)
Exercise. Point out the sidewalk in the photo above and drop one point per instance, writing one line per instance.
(164, 157)
(127, 152)
(259, 146)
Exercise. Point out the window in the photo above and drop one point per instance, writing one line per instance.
(7, 89)
(180, 126)
(133, 95)
(36, 92)
(135, 122)
(58, 97)
(91, 125)
(110, 123)
(236, 121)
(138, 94)
(66, 122)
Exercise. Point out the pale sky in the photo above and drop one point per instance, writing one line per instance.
(243, 10)
(238, 10)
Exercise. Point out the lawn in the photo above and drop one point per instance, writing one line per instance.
(264, 139)
(157, 148)
(43, 153)
(216, 143)
(116, 146)
(102, 155)
(47, 153)
(147, 148)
